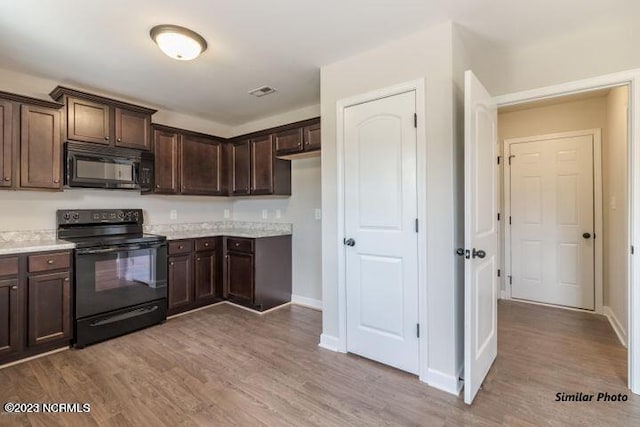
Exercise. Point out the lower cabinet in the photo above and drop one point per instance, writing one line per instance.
(35, 303)
(194, 276)
(257, 271)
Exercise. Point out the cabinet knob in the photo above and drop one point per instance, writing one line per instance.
(171, 263)
(206, 245)
(180, 247)
(14, 288)
(198, 258)
(66, 279)
(106, 138)
(56, 181)
(157, 185)
(119, 139)
(50, 261)
(6, 178)
(237, 244)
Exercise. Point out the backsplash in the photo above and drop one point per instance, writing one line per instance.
(27, 236)
(218, 226)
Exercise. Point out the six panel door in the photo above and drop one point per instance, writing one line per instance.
(49, 308)
(40, 148)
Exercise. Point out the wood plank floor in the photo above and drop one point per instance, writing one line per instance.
(227, 366)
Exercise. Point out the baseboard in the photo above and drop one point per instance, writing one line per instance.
(620, 330)
(37, 356)
(503, 295)
(441, 381)
(329, 343)
(316, 304)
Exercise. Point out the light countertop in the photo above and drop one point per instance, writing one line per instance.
(18, 247)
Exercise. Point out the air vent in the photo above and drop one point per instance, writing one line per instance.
(262, 91)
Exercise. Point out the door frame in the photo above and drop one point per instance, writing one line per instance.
(597, 212)
(421, 162)
(631, 79)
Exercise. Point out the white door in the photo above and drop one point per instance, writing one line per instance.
(552, 221)
(481, 235)
(381, 242)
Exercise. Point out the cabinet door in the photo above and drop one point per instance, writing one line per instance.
(200, 166)
(49, 306)
(288, 142)
(240, 168)
(6, 144)
(262, 165)
(88, 121)
(180, 284)
(165, 150)
(132, 129)
(40, 149)
(207, 281)
(312, 137)
(240, 276)
(9, 320)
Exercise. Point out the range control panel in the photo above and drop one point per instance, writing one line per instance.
(101, 216)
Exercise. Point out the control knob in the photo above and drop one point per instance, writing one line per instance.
(76, 215)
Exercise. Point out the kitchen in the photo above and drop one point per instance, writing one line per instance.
(226, 350)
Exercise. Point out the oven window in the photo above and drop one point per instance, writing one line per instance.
(125, 270)
(93, 169)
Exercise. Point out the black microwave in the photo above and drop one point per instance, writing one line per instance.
(94, 166)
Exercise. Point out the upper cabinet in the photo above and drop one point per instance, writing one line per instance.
(255, 170)
(188, 163)
(30, 143)
(99, 120)
(298, 140)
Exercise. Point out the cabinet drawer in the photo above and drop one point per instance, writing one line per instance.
(240, 245)
(9, 266)
(51, 261)
(206, 244)
(180, 247)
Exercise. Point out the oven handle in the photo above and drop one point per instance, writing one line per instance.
(118, 249)
(124, 316)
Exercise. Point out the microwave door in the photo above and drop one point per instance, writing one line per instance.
(102, 172)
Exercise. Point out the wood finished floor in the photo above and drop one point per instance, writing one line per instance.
(227, 366)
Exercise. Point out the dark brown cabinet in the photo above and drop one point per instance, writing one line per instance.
(188, 163)
(194, 273)
(257, 272)
(35, 302)
(165, 150)
(30, 143)
(99, 120)
(255, 170)
(6, 144)
(201, 166)
(40, 148)
(298, 139)
(49, 310)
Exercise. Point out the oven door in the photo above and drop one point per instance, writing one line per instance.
(117, 277)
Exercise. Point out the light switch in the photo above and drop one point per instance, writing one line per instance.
(173, 214)
(278, 213)
(227, 213)
(613, 203)
(264, 214)
(318, 214)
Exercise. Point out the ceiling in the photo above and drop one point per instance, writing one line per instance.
(105, 45)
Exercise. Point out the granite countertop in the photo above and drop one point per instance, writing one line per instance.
(253, 230)
(16, 242)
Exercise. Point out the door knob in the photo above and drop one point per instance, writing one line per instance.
(586, 235)
(350, 242)
(460, 252)
(478, 253)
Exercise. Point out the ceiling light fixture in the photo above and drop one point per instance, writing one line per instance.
(178, 42)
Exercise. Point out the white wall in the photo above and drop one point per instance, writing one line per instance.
(423, 55)
(615, 209)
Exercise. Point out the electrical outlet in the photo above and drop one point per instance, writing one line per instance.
(173, 214)
(264, 214)
(227, 213)
(318, 214)
(278, 213)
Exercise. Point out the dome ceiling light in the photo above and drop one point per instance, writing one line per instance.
(178, 42)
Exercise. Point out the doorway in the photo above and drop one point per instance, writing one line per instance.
(624, 170)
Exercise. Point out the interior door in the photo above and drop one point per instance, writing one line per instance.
(381, 242)
(552, 221)
(481, 235)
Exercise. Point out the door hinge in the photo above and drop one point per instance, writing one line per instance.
(498, 216)
(594, 236)
(509, 219)
(511, 157)
(499, 272)
(418, 330)
(632, 249)
(510, 280)
(499, 159)
(415, 120)
(416, 225)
